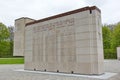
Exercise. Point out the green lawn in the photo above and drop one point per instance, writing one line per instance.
(11, 60)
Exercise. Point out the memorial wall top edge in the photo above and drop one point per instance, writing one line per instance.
(65, 14)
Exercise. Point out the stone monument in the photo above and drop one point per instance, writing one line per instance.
(19, 35)
(118, 53)
(70, 42)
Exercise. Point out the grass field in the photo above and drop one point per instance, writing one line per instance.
(11, 60)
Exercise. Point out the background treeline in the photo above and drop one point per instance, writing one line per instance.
(6, 40)
(111, 40)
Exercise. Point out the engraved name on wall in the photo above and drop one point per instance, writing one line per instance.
(54, 42)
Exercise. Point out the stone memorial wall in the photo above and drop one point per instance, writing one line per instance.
(70, 42)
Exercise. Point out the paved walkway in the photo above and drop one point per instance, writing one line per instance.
(7, 72)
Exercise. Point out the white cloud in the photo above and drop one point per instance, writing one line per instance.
(98, 3)
(37, 9)
(111, 12)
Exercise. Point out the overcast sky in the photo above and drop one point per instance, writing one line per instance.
(38, 9)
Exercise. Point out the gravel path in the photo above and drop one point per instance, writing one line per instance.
(7, 72)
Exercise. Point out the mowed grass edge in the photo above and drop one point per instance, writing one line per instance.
(11, 60)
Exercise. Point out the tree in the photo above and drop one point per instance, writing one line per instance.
(11, 38)
(106, 37)
(4, 33)
(4, 41)
(116, 36)
(109, 52)
(11, 30)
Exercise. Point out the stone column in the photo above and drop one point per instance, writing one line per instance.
(19, 35)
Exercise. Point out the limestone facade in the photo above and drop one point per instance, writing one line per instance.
(19, 35)
(70, 42)
(118, 53)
